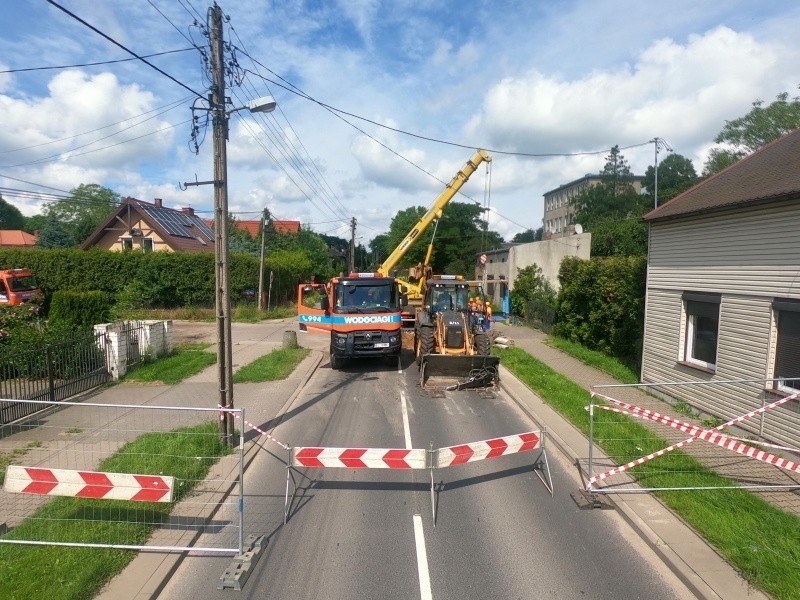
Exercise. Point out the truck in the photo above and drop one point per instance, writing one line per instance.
(18, 286)
(415, 287)
(360, 312)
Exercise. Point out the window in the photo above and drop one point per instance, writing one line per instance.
(702, 329)
(127, 243)
(147, 244)
(787, 346)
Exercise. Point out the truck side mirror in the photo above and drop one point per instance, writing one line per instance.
(403, 300)
(325, 303)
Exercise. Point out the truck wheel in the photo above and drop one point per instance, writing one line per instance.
(337, 362)
(424, 343)
(482, 344)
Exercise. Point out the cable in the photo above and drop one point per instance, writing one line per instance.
(116, 43)
(93, 64)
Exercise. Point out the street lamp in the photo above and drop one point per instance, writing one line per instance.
(222, 247)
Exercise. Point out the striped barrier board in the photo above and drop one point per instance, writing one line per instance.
(359, 458)
(466, 453)
(88, 484)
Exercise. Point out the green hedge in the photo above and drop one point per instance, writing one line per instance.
(75, 311)
(601, 304)
(166, 279)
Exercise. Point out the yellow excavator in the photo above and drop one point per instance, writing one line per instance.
(415, 284)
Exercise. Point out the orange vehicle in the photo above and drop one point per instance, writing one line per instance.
(18, 286)
(361, 313)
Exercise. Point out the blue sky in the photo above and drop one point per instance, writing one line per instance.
(534, 77)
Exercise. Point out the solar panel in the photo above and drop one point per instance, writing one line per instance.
(177, 223)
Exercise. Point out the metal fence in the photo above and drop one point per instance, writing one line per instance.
(639, 442)
(67, 461)
(53, 372)
(540, 315)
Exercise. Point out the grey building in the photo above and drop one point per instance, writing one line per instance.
(723, 290)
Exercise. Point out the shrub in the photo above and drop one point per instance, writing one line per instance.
(79, 311)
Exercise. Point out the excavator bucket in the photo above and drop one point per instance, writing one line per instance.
(457, 372)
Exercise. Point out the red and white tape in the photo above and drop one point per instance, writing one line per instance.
(259, 430)
(697, 433)
(452, 456)
(358, 458)
(89, 484)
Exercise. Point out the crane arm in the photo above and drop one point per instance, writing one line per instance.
(435, 211)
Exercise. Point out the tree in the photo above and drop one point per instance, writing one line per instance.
(758, 127)
(10, 216)
(676, 174)
(34, 223)
(527, 236)
(613, 197)
(88, 205)
(530, 285)
(53, 234)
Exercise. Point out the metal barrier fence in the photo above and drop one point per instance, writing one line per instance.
(53, 373)
(83, 450)
(540, 314)
(677, 449)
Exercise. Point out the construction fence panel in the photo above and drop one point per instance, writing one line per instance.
(649, 437)
(121, 476)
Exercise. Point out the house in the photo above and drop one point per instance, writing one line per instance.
(503, 263)
(723, 290)
(139, 225)
(559, 209)
(253, 227)
(16, 238)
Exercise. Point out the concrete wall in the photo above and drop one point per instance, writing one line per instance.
(146, 338)
(548, 255)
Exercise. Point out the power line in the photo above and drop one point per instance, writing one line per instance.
(93, 64)
(116, 43)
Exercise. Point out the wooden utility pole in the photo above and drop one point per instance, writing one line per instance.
(353, 245)
(261, 262)
(221, 242)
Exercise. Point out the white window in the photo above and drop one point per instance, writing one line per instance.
(147, 244)
(127, 243)
(786, 368)
(702, 329)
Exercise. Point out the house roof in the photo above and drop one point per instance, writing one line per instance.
(16, 238)
(181, 229)
(769, 174)
(253, 227)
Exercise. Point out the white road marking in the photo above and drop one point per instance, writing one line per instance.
(399, 365)
(422, 560)
(406, 428)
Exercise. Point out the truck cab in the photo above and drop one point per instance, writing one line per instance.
(18, 286)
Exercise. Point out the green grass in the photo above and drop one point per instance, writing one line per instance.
(185, 361)
(246, 312)
(760, 541)
(66, 573)
(278, 364)
(614, 367)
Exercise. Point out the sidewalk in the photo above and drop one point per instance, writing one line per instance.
(690, 556)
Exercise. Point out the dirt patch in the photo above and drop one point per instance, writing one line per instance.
(193, 332)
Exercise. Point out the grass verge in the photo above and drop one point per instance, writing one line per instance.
(241, 313)
(67, 573)
(278, 364)
(618, 370)
(185, 361)
(760, 541)
(9, 458)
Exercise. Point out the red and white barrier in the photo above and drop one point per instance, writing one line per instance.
(452, 456)
(88, 484)
(358, 458)
(696, 433)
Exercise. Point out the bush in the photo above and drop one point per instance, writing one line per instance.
(79, 311)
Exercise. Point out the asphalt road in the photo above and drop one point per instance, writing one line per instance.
(370, 533)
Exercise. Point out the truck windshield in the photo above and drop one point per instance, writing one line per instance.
(366, 297)
(23, 284)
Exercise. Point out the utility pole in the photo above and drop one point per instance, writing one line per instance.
(221, 242)
(261, 262)
(353, 245)
(658, 144)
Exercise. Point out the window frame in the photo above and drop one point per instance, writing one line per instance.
(150, 242)
(690, 332)
(781, 306)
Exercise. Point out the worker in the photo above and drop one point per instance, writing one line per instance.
(487, 321)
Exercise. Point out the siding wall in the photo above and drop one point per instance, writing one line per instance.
(750, 256)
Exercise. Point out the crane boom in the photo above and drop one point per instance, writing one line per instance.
(435, 211)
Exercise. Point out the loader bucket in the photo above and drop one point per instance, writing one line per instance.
(458, 372)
